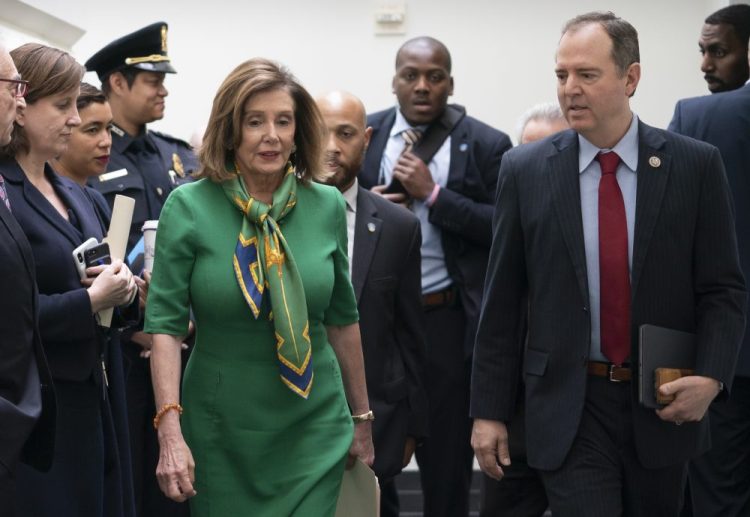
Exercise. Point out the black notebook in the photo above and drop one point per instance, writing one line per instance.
(661, 347)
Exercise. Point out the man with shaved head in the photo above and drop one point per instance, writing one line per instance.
(384, 241)
(444, 165)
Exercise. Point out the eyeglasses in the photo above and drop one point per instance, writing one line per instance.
(20, 87)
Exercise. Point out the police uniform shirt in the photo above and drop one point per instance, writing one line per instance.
(147, 168)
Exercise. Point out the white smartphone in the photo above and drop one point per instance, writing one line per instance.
(78, 256)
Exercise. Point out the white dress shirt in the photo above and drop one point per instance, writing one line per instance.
(435, 275)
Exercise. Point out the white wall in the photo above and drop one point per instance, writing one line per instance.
(503, 52)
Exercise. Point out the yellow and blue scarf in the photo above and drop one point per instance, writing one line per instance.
(262, 259)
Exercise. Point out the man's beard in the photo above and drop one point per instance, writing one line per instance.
(341, 174)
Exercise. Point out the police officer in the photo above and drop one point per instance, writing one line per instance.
(145, 165)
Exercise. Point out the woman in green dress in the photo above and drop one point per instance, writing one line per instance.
(258, 251)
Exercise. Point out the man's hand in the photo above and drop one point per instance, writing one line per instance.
(143, 284)
(414, 175)
(395, 197)
(693, 395)
(489, 439)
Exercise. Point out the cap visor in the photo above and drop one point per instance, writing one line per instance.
(164, 67)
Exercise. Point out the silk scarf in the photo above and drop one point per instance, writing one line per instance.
(262, 260)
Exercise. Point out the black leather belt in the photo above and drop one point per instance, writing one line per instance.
(610, 371)
(439, 298)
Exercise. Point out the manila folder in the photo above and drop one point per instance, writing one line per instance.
(359, 495)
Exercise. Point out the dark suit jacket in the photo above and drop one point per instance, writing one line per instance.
(69, 332)
(723, 120)
(685, 275)
(27, 402)
(386, 279)
(463, 210)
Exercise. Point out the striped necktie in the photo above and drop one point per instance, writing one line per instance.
(411, 136)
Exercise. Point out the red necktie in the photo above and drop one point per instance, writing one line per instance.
(3, 193)
(614, 275)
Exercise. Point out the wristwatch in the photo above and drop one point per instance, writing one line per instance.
(364, 417)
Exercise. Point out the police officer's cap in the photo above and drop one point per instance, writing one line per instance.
(144, 49)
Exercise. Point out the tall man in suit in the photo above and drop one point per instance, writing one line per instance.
(723, 45)
(145, 165)
(451, 193)
(27, 404)
(384, 241)
(720, 479)
(599, 230)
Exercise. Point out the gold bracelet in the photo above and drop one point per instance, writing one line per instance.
(164, 409)
(364, 417)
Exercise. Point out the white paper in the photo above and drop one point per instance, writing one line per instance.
(117, 238)
(360, 494)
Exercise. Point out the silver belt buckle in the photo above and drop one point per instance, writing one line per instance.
(611, 373)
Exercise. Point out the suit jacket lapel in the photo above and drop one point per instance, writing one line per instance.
(366, 235)
(380, 134)
(651, 184)
(38, 203)
(566, 194)
(76, 200)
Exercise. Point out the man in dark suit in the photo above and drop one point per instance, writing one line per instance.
(384, 242)
(451, 193)
(145, 165)
(593, 249)
(723, 45)
(521, 492)
(27, 404)
(720, 479)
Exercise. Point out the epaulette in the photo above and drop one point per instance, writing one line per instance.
(170, 138)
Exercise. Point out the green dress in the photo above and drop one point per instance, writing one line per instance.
(259, 449)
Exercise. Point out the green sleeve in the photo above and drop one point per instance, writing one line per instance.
(343, 307)
(168, 306)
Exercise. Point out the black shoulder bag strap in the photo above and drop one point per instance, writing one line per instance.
(433, 139)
